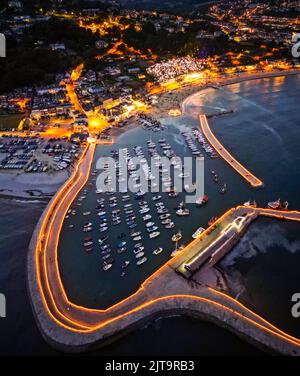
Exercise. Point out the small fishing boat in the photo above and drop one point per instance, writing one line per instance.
(103, 229)
(88, 225)
(88, 229)
(140, 254)
(183, 212)
(144, 211)
(176, 237)
(166, 221)
(162, 211)
(275, 205)
(106, 257)
(135, 233)
(137, 238)
(86, 213)
(157, 251)
(125, 265)
(102, 240)
(170, 225)
(107, 267)
(153, 235)
(87, 244)
(141, 261)
(138, 249)
(198, 232)
(250, 204)
(165, 216)
(149, 224)
(202, 200)
(152, 229)
(147, 217)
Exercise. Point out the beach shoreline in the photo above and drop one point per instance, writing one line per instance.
(176, 99)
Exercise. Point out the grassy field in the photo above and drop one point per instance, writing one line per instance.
(10, 121)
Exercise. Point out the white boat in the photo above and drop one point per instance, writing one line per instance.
(107, 267)
(198, 232)
(139, 255)
(147, 217)
(153, 235)
(177, 237)
(126, 263)
(149, 224)
(142, 261)
(139, 249)
(183, 212)
(251, 204)
(170, 225)
(274, 204)
(157, 251)
(86, 213)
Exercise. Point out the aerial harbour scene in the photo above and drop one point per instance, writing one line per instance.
(149, 178)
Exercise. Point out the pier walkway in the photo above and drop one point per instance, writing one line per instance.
(220, 149)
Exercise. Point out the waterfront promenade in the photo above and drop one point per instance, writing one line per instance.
(221, 150)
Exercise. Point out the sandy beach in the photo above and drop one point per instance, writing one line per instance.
(31, 185)
(176, 99)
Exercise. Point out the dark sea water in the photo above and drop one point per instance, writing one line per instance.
(263, 269)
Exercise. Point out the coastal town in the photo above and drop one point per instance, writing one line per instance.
(129, 77)
(95, 81)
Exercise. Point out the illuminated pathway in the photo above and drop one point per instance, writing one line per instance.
(219, 148)
(70, 327)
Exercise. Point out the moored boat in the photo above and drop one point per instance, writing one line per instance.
(176, 237)
(157, 251)
(141, 261)
(198, 232)
(153, 235)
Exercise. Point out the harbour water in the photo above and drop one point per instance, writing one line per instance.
(263, 133)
